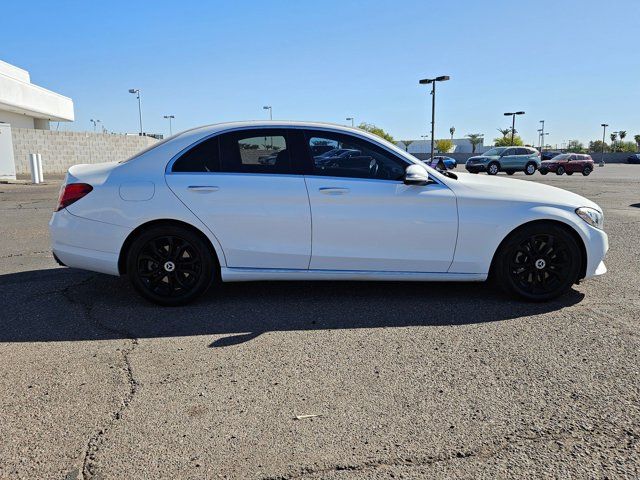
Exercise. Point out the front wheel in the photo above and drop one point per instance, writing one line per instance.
(493, 168)
(170, 265)
(543, 171)
(530, 169)
(586, 171)
(538, 262)
(560, 170)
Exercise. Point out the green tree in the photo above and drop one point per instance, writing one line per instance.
(504, 132)
(622, 134)
(506, 141)
(444, 146)
(371, 128)
(406, 144)
(596, 146)
(474, 139)
(575, 146)
(637, 139)
(627, 147)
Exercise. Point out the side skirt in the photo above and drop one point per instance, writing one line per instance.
(262, 274)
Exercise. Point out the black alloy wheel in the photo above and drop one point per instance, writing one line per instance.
(170, 265)
(538, 263)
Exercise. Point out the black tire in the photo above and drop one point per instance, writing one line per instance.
(538, 262)
(543, 171)
(586, 171)
(493, 168)
(569, 173)
(530, 168)
(510, 172)
(170, 265)
(560, 170)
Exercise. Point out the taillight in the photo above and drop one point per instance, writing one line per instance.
(72, 192)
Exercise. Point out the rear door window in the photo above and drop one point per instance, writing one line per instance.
(202, 157)
(257, 151)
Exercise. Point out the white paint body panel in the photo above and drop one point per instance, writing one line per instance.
(262, 221)
(380, 225)
(280, 227)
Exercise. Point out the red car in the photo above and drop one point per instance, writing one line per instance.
(568, 163)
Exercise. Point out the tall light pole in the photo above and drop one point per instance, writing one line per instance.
(136, 91)
(352, 121)
(513, 122)
(268, 107)
(604, 131)
(95, 123)
(170, 117)
(542, 134)
(432, 81)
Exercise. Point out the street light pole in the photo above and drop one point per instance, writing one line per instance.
(604, 131)
(136, 91)
(170, 117)
(541, 137)
(432, 81)
(513, 122)
(268, 107)
(352, 120)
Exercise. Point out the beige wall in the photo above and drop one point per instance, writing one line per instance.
(60, 150)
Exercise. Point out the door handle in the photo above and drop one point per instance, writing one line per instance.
(333, 190)
(203, 188)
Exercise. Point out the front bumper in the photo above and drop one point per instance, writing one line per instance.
(597, 245)
(476, 167)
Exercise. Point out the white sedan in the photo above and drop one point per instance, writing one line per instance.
(204, 206)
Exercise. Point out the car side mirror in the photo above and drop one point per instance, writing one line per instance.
(416, 175)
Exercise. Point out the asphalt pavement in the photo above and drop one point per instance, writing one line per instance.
(337, 380)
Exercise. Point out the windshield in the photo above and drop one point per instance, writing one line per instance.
(562, 156)
(494, 151)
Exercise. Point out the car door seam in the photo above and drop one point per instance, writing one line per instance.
(310, 221)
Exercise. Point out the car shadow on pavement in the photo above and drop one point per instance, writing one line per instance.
(71, 305)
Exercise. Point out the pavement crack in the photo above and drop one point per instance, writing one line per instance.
(97, 440)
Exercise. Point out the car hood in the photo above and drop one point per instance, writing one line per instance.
(508, 189)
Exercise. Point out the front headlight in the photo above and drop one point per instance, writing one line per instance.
(592, 216)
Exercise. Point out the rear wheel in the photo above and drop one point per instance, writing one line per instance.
(538, 262)
(493, 168)
(170, 265)
(586, 171)
(560, 170)
(530, 169)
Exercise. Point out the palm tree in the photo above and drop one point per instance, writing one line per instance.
(637, 139)
(613, 137)
(622, 134)
(475, 139)
(452, 130)
(504, 132)
(406, 144)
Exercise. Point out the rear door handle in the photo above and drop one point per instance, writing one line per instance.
(333, 190)
(203, 188)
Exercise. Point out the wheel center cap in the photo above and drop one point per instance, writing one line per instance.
(540, 264)
(169, 266)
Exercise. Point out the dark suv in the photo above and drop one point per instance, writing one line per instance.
(568, 163)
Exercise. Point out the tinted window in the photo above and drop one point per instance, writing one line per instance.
(522, 151)
(352, 157)
(204, 157)
(509, 151)
(255, 151)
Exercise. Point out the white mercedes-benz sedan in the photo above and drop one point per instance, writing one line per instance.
(313, 201)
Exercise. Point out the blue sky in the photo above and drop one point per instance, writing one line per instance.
(573, 63)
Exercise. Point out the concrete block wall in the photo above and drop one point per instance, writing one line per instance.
(60, 150)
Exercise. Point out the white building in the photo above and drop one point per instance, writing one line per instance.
(25, 105)
(460, 145)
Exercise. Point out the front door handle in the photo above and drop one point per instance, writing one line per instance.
(333, 190)
(203, 188)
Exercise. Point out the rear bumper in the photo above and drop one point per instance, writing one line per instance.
(86, 244)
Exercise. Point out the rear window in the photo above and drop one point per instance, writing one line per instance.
(203, 157)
